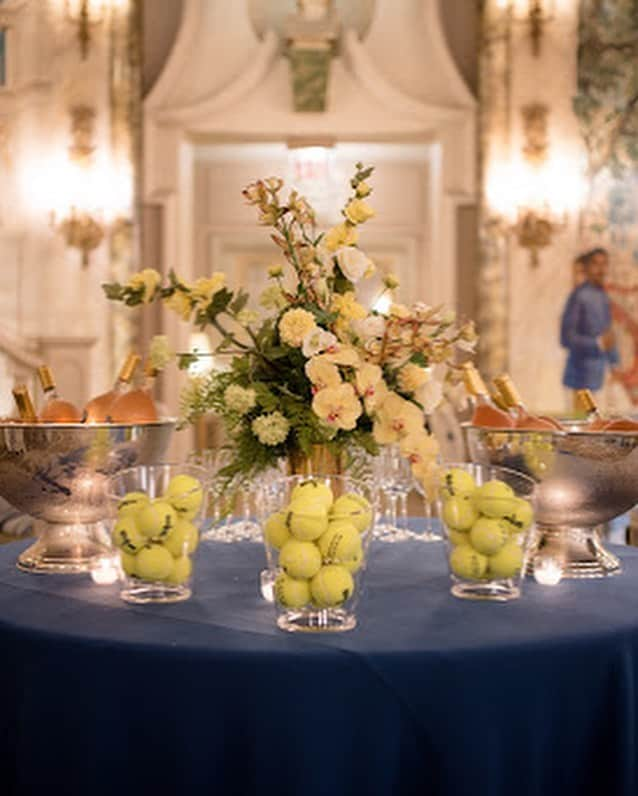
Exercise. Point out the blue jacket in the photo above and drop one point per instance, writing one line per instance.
(586, 316)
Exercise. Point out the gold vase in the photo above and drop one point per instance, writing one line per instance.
(322, 461)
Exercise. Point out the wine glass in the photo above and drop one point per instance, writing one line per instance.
(394, 476)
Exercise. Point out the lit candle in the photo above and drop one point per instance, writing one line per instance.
(105, 571)
(548, 571)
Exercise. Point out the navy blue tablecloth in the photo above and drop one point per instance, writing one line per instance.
(428, 695)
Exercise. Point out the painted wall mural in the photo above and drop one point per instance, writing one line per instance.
(606, 105)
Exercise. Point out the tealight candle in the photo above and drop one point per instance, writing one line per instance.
(548, 571)
(105, 571)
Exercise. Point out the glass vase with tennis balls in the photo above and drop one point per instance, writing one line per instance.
(317, 531)
(157, 512)
(487, 514)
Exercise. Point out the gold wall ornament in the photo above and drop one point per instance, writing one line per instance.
(82, 134)
(82, 231)
(536, 144)
(533, 13)
(535, 232)
(87, 14)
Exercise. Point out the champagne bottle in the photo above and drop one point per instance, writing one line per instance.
(26, 410)
(137, 405)
(485, 413)
(54, 409)
(586, 401)
(98, 409)
(522, 418)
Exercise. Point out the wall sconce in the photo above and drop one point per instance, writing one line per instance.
(535, 14)
(533, 193)
(87, 14)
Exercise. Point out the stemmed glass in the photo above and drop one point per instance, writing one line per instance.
(393, 474)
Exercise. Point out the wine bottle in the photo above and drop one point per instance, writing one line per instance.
(586, 401)
(54, 409)
(485, 414)
(137, 405)
(522, 418)
(26, 410)
(98, 409)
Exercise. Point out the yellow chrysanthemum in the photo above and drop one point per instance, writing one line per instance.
(338, 407)
(180, 303)
(295, 325)
(205, 288)
(148, 279)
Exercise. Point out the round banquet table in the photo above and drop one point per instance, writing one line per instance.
(428, 695)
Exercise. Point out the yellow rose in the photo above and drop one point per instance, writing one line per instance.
(338, 407)
(294, 326)
(341, 235)
(205, 288)
(411, 377)
(357, 211)
(148, 279)
(180, 303)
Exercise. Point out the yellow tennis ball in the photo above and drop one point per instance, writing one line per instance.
(181, 572)
(467, 563)
(354, 508)
(340, 543)
(354, 564)
(300, 559)
(185, 494)
(488, 535)
(493, 498)
(276, 531)
(459, 514)
(132, 502)
(456, 483)
(307, 519)
(458, 537)
(126, 535)
(153, 562)
(331, 586)
(127, 560)
(507, 562)
(291, 593)
(312, 489)
(157, 519)
(182, 540)
(519, 515)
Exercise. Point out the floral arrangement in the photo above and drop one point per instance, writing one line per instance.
(319, 368)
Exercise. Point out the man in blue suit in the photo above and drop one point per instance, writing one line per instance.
(586, 330)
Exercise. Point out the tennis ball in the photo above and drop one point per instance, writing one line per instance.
(488, 535)
(519, 516)
(458, 537)
(307, 519)
(493, 498)
(153, 562)
(185, 494)
(276, 531)
(331, 586)
(340, 543)
(300, 559)
(182, 540)
(157, 519)
(354, 564)
(318, 491)
(354, 508)
(467, 563)
(131, 503)
(126, 535)
(291, 593)
(456, 483)
(507, 562)
(181, 572)
(128, 563)
(459, 514)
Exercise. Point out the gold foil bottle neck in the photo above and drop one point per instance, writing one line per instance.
(586, 401)
(498, 401)
(149, 371)
(129, 367)
(510, 395)
(472, 380)
(46, 378)
(24, 403)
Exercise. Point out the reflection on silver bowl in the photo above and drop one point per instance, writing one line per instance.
(57, 473)
(584, 479)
